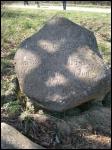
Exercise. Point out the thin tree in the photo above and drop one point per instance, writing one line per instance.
(25, 2)
(37, 2)
(64, 5)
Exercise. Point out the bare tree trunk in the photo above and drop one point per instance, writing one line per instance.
(25, 2)
(37, 2)
(64, 5)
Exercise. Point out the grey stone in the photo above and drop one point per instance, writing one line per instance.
(60, 67)
(13, 139)
(97, 117)
(107, 100)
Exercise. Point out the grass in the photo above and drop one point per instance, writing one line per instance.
(57, 3)
(12, 108)
(91, 5)
(20, 23)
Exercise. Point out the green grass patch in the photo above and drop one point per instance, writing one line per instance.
(5, 63)
(20, 23)
(12, 108)
(7, 68)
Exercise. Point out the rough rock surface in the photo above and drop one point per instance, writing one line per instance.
(60, 66)
(13, 139)
(97, 118)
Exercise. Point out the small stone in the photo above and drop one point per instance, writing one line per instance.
(40, 112)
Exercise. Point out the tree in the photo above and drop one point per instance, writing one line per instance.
(37, 2)
(25, 2)
(64, 5)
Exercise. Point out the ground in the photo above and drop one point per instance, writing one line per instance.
(82, 127)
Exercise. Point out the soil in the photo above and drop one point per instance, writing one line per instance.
(90, 129)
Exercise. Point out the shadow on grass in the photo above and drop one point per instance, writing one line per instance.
(10, 56)
(7, 69)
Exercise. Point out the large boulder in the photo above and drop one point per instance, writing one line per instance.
(13, 139)
(60, 67)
